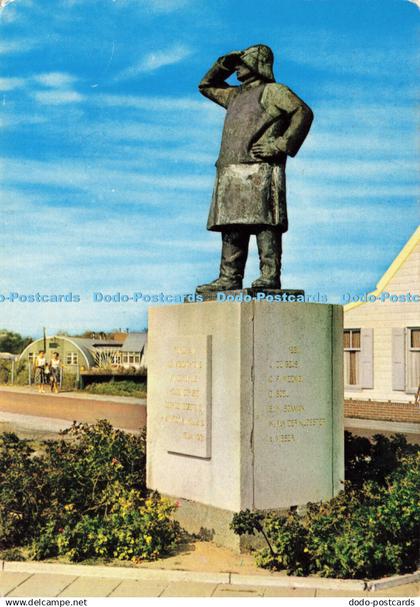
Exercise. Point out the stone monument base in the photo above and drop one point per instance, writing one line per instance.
(245, 408)
(213, 524)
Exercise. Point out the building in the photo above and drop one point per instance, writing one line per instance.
(97, 355)
(382, 344)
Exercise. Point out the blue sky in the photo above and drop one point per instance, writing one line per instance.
(107, 149)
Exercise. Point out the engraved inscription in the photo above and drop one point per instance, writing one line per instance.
(286, 416)
(186, 406)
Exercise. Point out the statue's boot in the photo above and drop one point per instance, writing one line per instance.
(269, 250)
(232, 263)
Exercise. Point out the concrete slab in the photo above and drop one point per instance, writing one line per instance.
(10, 580)
(91, 587)
(42, 584)
(411, 590)
(132, 588)
(189, 589)
(289, 592)
(133, 573)
(324, 592)
(394, 580)
(266, 361)
(238, 591)
(292, 581)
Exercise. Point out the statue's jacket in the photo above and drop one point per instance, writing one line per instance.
(250, 190)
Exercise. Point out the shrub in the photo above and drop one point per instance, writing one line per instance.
(369, 530)
(83, 496)
(84, 468)
(23, 490)
(69, 382)
(374, 459)
(135, 529)
(22, 373)
(118, 388)
(5, 372)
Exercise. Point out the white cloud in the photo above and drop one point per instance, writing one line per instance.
(17, 46)
(99, 178)
(320, 51)
(153, 103)
(360, 169)
(58, 97)
(156, 59)
(165, 6)
(9, 84)
(153, 6)
(10, 121)
(55, 79)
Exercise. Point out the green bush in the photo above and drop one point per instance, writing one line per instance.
(23, 491)
(83, 496)
(22, 373)
(118, 388)
(5, 372)
(369, 530)
(374, 459)
(135, 529)
(69, 382)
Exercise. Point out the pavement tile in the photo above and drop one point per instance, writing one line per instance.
(189, 589)
(91, 586)
(283, 591)
(338, 593)
(139, 588)
(42, 584)
(10, 579)
(411, 590)
(231, 590)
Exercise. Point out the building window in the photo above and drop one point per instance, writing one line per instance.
(413, 359)
(72, 358)
(131, 358)
(351, 357)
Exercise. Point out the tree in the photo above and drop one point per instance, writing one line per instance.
(13, 342)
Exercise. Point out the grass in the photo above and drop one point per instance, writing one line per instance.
(118, 388)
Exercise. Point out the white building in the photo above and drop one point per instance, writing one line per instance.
(382, 335)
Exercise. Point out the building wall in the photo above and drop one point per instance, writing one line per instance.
(382, 317)
(64, 348)
(388, 411)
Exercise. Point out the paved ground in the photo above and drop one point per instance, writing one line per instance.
(129, 582)
(57, 411)
(122, 412)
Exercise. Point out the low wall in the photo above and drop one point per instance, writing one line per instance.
(388, 411)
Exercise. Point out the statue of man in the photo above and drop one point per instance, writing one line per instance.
(265, 122)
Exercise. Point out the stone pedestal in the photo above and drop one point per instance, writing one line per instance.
(244, 408)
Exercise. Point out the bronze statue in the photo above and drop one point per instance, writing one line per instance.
(265, 122)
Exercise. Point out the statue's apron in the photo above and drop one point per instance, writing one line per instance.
(248, 191)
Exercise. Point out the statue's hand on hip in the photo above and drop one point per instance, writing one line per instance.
(265, 149)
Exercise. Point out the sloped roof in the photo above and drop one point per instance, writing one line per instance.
(83, 344)
(8, 356)
(392, 270)
(134, 342)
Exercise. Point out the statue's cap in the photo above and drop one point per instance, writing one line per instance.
(259, 58)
